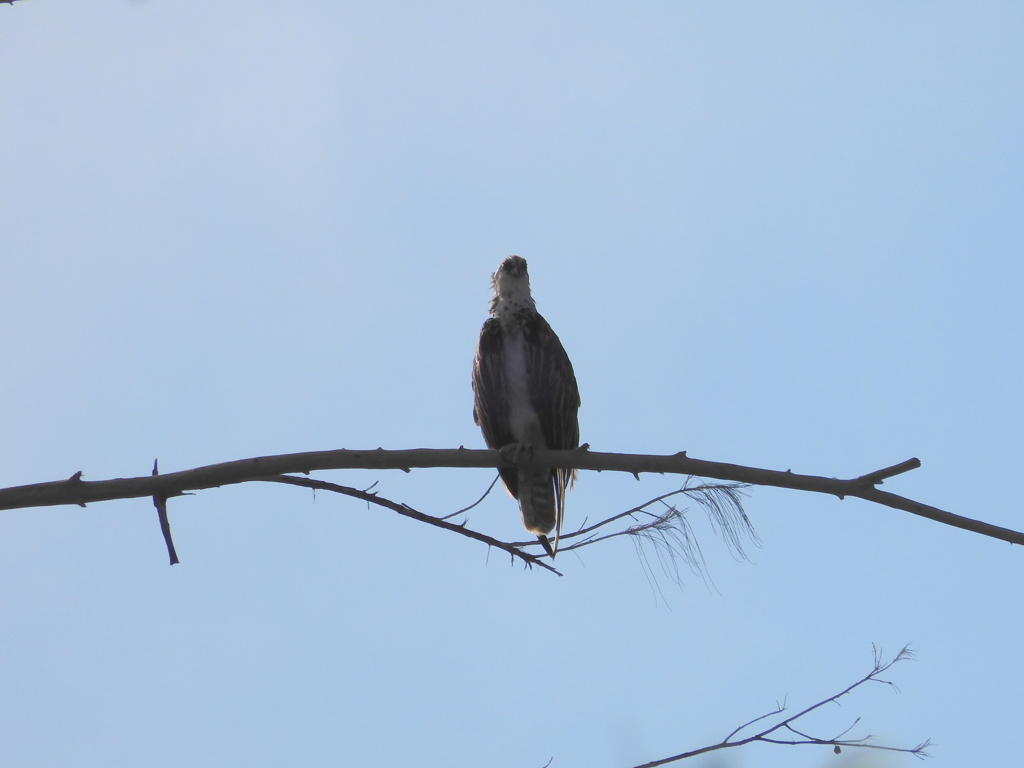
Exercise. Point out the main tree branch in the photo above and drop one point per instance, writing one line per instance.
(77, 491)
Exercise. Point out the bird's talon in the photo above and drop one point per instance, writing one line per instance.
(515, 452)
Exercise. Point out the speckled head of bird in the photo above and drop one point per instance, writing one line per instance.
(511, 287)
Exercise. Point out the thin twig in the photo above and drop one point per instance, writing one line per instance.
(466, 509)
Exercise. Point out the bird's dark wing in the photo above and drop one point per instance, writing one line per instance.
(490, 404)
(556, 399)
(553, 390)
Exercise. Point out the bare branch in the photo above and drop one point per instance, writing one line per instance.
(776, 733)
(78, 491)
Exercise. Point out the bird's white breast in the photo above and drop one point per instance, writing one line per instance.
(523, 418)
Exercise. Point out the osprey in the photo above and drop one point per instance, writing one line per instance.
(526, 395)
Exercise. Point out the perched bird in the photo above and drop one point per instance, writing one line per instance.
(526, 396)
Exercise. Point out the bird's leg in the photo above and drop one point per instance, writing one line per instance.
(523, 449)
(509, 452)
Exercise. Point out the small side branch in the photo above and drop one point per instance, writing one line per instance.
(160, 502)
(876, 478)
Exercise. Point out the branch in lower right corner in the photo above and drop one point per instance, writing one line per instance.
(785, 733)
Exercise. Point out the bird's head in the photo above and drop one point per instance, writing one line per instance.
(511, 287)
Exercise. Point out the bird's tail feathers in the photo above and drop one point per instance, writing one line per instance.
(546, 543)
(563, 478)
(542, 501)
(537, 502)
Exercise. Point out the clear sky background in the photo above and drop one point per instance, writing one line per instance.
(782, 235)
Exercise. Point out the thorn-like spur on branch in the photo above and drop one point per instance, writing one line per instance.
(785, 731)
(78, 491)
(407, 511)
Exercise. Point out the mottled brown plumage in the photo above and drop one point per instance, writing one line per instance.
(526, 395)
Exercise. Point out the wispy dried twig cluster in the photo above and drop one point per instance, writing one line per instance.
(667, 531)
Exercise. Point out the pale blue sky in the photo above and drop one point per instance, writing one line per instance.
(784, 235)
